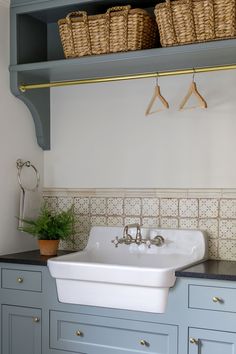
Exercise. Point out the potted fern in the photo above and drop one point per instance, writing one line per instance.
(50, 227)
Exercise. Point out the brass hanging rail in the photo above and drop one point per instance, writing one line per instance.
(24, 88)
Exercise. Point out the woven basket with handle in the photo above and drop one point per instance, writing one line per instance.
(120, 29)
(191, 21)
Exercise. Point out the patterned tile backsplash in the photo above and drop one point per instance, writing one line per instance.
(211, 210)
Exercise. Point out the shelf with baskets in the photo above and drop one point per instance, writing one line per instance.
(37, 55)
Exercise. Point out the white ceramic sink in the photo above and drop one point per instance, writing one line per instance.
(128, 276)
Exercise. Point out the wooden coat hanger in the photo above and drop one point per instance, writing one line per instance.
(157, 96)
(193, 91)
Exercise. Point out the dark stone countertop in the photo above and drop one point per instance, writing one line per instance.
(211, 269)
(221, 270)
(29, 257)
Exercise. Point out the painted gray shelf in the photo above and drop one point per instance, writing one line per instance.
(129, 63)
(37, 56)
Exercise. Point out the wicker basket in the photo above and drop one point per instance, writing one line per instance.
(191, 21)
(120, 29)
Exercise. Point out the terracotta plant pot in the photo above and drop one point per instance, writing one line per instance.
(48, 247)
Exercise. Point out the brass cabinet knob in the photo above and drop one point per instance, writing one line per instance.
(79, 333)
(217, 299)
(144, 343)
(36, 319)
(193, 341)
(20, 280)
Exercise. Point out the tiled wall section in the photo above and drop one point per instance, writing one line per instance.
(211, 210)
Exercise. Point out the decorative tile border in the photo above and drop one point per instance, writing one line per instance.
(212, 210)
(142, 193)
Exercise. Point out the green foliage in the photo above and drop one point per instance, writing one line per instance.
(50, 225)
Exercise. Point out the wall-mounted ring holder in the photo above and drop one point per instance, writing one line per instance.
(20, 164)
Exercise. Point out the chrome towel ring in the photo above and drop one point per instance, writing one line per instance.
(20, 164)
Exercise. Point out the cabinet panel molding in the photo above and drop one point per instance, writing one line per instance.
(21, 330)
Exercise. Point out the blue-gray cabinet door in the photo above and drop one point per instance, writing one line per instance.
(21, 330)
(204, 341)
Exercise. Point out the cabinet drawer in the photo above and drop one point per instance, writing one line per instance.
(212, 298)
(86, 333)
(21, 280)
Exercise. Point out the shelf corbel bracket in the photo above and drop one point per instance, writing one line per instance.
(38, 104)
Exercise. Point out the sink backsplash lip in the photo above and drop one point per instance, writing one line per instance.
(174, 239)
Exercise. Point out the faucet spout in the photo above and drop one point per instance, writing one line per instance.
(127, 236)
(138, 238)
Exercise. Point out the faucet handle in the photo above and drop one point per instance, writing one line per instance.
(115, 241)
(148, 243)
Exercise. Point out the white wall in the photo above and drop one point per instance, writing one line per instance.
(101, 138)
(17, 140)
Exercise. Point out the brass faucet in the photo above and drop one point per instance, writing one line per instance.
(127, 239)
